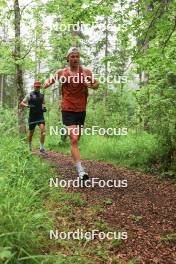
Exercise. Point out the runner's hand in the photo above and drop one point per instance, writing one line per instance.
(88, 81)
(30, 106)
(44, 109)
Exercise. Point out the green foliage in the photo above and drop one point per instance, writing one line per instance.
(116, 243)
(108, 201)
(169, 238)
(133, 150)
(132, 261)
(70, 198)
(132, 39)
(136, 218)
(70, 260)
(139, 44)
(24, 220)
(102, 254)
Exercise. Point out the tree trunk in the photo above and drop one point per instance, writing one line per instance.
(106, 55)
(19, 73)
(106, 70)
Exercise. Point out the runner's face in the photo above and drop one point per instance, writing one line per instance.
(37, 88)
(74, 59)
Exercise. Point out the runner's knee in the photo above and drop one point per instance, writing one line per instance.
(74, 140)
(42, 132)
(31, 132)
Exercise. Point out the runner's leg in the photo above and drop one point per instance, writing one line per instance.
(31, 133)
(42, 136)
(75, 134)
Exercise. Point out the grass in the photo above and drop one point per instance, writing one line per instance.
(24, 220)
(139, 151)
(169, 238)
(136, 218)
(71, 198)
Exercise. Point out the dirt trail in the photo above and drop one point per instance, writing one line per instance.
(146, 209)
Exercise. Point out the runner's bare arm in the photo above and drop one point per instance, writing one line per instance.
(91, 82)
(24, 102)
(53, 79)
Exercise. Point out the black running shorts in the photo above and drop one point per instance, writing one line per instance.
(73, 118)
(33, 122)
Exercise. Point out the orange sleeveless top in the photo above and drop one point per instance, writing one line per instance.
(74, 92)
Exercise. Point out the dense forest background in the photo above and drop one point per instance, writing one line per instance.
(127, 40)
(135, 39)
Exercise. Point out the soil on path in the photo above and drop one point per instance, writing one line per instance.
(145, 209)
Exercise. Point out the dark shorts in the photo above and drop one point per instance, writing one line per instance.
(73, 118)
(33, 122)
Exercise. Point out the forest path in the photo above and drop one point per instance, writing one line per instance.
(145, 209)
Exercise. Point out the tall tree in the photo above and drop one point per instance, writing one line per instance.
(18, 67)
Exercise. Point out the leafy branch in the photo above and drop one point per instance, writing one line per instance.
(171, 33)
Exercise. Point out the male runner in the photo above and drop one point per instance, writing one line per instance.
(75, 81)
(36, 104)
